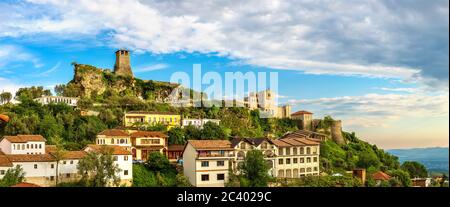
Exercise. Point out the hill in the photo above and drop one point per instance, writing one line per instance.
(435, 159)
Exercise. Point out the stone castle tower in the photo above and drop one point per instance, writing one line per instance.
(336, 132)
(123, 66)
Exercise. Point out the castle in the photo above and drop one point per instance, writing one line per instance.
(123, 66)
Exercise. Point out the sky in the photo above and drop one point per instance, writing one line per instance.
(381, 66)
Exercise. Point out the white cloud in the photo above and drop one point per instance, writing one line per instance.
(407, 90)
(51, 70)
(15, 54)
(377, 110)
(372, 39)
(159, 66)
(7, 85)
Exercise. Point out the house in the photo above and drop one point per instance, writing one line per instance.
(175, 152)
(296, 157)
(243, 145)
(23, 144)
(113, 137)
(304, 119)
(206, 163)
(198, 122)
(122, 158)
(380, 176)
(421, 182)
(145, 142)
(44, 100)
(136, 118)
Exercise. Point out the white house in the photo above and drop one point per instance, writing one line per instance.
(44, 100)
(198, 122)
(23, 144)
(206, 162)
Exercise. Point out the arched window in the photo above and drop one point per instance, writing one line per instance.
(281, 173)
(308, 150)
(295, 173)
(294, 151)
(241, 154)
(302, 170)
(288, 173)
(308, 169)
(302, 150)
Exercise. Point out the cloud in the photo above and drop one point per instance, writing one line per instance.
(407, 90)
(377, 110)
(9, 86)
(10, 54)
(383, 39)
(51, 70)
(159, 66)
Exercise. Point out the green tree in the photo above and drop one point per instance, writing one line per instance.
(176, 136)
(98, 169)
(415, 169)
(402, 176)
(5, 97)
(143, 177)
(12, 176)
(182, 181)
(255, 169)
(59, 154)
(192, 132)
(158, 162)
(367, 159)
(212, 130)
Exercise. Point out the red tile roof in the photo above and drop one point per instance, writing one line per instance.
(380, 175)
(291, 142)
(211, 144)
(151, 112)
(148, 134)
(301, 113)
(4, 118)
(176, 147)
(4, 161)
(25, 138)
(114, 133)
(116, 150)
(31, 158)
(24, 184)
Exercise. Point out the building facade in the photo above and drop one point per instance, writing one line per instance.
(266, 102)
(146, 142)
(198, 122)
(136, 118)
(206, 163)
(71, 101)
(40, 165)
(304, 119)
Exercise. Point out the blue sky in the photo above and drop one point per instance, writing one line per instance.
(380, 66)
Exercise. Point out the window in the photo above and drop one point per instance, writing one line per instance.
(302, 160)
(35, 166)
(125, 172)
(315, 168)
(32, 146)
(294, 151)
(125, 158)
(315, 159)
(67, 175)
(52, 166)
(308, 160)
(150, 141)
(205, 164)
(52, 178)
(220, 163)
(308, 169)
(302, 150)
(295, 161)
(64, 162)
(302, 170)
(220, 176)
(288, 151)
(281, 151)
(40, 146)
(112, 141)
(2, 172)
(205, 177)
(280, 161)
(28, 146)
(35, 146)
(115, 158)
(288, 161)
(71, 162)
(308, 150)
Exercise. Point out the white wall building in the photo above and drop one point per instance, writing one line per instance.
(23, 144)
(44, 100)
(206, 163)
(198, 122)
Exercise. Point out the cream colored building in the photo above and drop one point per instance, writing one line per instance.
(113, 137)
(296, 157)
(44, 100)
(146, 142)
(206, 163)
(265, 101)
(243, 145)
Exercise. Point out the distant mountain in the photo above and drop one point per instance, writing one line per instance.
(435, 159)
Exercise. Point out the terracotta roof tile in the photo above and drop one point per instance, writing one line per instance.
(211, 144)
(148, 134)
(114, 133)
(117, 150)
(301, 113)
(25, 138)
(27, 185)
(4, 118)
(176, 147)
(31, 158)
(280, 143)
(380, 175)
(4, 161)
